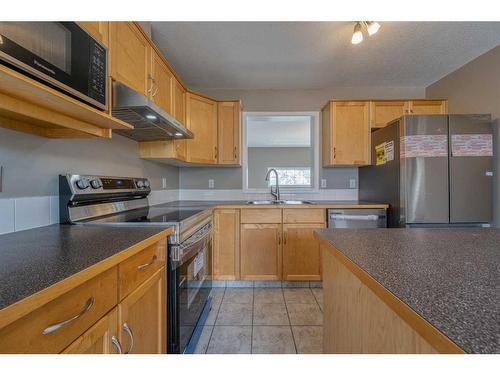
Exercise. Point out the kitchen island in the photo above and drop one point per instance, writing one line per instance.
(411, 290)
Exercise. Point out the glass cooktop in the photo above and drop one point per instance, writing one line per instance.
(152, 215)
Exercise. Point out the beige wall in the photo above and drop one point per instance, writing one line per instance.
(475, 88)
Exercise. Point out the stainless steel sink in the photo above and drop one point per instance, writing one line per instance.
(261, 202)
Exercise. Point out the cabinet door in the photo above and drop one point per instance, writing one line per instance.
(179, 112)
(229, 114)
(202, 121)
(226, 252)
(141, 317)
(99, 30)
(382, 112)
(261, 252)
(130, 56)
(98, 338)
(428, 107)
(161, 92)
(301, 253)
(351, 133)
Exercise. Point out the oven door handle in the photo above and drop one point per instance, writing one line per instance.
(179, 254)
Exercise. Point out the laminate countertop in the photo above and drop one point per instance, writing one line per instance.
(245, 204)
(34, 259)
(450, 277)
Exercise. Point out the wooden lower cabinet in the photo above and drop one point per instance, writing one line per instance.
(99, 338)
(261, 252)
(141, 317)
(226, 252)
(301, 252)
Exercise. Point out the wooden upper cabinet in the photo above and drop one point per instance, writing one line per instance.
(101, 338)
(384, 111)
(229, 124)
(261, 252)
(130, 56)
(141, 317)
(161, 81)
(226, 254)
(346, 133)
(98, 29)
(179, 112)
(428, 107)
(201, 114)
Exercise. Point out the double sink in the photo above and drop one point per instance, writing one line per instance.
(264, 202)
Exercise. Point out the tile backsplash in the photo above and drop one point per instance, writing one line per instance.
(30, 212)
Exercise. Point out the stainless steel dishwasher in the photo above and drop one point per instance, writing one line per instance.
(357, 218)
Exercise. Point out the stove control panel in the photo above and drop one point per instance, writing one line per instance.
(85, 184)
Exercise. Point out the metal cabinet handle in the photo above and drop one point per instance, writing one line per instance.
(56, 326)
(150, 77)
(284, 237)
(279, 238)
(235, 153)
(127, 329)
(155, 85)
(334, 152)
(116, 344)
(216, 153)
(140, 267)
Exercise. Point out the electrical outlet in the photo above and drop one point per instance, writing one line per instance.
(164, 183)
(211, 183)
(323, 183)
(352, 183)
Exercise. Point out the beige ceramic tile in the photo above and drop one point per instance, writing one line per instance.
(238, 295)
(268, 295)
(298, 295)
(271, 314)
(305, 314)
(272, 340)
(230, 340)
(234, 314)
(308, 339)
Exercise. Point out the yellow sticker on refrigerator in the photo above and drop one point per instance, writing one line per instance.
(384, 152)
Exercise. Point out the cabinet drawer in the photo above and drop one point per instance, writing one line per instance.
(52, 327)
(137, 269)
(261, 216)
(304, 215)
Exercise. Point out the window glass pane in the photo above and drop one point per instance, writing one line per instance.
(300, 177)
(283, 142)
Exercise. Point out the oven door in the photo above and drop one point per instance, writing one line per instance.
(61, 54)
(190, 288)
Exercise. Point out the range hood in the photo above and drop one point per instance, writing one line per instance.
(151, 123)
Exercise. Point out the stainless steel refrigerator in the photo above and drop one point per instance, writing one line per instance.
(433, 170)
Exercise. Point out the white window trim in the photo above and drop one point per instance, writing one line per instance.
(314, 141)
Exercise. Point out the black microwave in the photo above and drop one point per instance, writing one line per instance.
(60, 54)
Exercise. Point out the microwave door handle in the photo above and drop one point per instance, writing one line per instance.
(355, 217)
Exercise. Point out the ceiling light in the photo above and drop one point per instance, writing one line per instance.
(151, 117)
(372, 27)
(357, 35)
(178, 134)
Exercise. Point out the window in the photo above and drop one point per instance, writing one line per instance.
(293, 177)
(286, 142)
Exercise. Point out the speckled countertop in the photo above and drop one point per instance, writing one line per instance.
(322, 203)
(34, 259)
(450, 277)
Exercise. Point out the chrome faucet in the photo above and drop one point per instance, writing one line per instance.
(276, 192)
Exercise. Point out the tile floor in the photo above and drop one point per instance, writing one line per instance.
(264, 321)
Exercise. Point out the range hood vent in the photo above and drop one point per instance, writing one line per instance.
(151, 123)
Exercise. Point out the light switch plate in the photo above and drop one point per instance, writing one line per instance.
(211, 183)
(323, 183)
(352, 183)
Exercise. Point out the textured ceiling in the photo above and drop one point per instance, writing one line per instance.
(315, 55)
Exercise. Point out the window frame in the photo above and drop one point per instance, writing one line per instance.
(314, 143)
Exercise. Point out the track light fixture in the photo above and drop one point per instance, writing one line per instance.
(371, 28)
